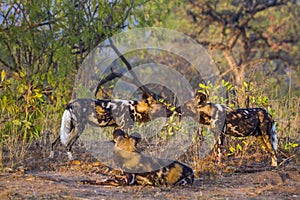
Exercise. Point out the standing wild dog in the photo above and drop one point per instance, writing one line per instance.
(234, 122)
(145, 170)
(104, 113)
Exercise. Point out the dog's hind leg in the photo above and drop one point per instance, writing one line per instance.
(69, 146)
(267, 134)
(269, 141)
(77, 132)
(56, 140)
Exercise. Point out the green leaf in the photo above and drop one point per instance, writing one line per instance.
(22, 73)
(229, 87)
(239, 147)
(3, 75)
(231, 149)
(38, 95)
(203, 86)
(4, 100)
(245, 84)
(176, 128)
(27, 124)
(17, 122)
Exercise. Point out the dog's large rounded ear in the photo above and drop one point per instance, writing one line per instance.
(136, 137)
(118, 133)
(145, 95)
(178, 109)
(148, 98)
(201, 98)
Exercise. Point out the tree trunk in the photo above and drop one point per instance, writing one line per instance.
(1, 155)
(238, 73)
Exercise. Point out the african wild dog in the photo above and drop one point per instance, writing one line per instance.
(145, 170)
(103, 113)
(234, 122)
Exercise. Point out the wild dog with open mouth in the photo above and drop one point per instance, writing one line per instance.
(104, 113)
(234, 122)
(145, 170)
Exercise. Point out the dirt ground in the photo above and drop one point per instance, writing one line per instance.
(42, 178)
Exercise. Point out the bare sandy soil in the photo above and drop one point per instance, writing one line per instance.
(42, 178)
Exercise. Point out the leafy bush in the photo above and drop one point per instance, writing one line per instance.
(25, 106)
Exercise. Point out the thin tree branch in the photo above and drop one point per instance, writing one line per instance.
(112, 76)
(129, 67)
(5, 63)
(265, 6)
(265, 59)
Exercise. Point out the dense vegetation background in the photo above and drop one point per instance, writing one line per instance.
(255, 45)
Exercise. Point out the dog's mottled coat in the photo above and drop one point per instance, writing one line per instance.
(145, 170)
(234, 122)
(103, 113)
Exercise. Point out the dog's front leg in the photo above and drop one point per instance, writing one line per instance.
(219, 148)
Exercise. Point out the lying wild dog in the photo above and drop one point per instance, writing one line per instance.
(234, 122)
(145, 170)
(104, 113)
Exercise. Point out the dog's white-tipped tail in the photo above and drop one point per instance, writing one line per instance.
(274, 144)
(274, 136)
(66, 127)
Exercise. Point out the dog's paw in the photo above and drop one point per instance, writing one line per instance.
(51, 154)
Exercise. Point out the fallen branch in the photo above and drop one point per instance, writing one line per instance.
(285, 160)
